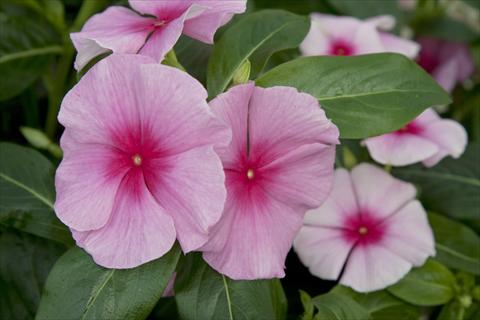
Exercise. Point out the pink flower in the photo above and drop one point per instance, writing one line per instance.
(156, 31)
(279, 165)
(428, 138)
(139, 169)
(447, 62)
(345, 36)
(370, 226)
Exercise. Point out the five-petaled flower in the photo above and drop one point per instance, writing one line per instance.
(156, 31)
(428, 138)
(448, 62)
(346, 36)
(371, 227)
(139, 167)
(279, 165)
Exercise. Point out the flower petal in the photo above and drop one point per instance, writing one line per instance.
(86, 182)
(373, 267)
(450, 137)
(117, 28)
(323, 250)
(298, 120)
(102, 107)
(409, 234)
(180, 119)
(340, 203)
(392, 43)
(167, 10)
(190, 187)
(256, 237)
(216, 14)
(400, 149)
(138, 230)
(378, 192)
(302, 178)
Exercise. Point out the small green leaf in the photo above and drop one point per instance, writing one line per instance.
(457, 245)
(307, 305)
(39, 140)
(202, 293)
(77, 288)
(451, 187)
(27, 193)
(337, 306)
(430, 285)
(364, 95)
(255, 37)
(242, 74)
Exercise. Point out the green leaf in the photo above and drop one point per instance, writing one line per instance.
(202, 293)
(255, 37)
(457, 245)
(27, 47)
(25, 262)
(77, 288)
(381, 305)
(452, 311)
(337, 306)
(364, 95)
(430, 285)
(451, 187)
(27, 193)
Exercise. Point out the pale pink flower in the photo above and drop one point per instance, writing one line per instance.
(428, 138)
(347, 36)
(139, 168)
(155, 31)
(448, 62)
(371, 227)
(279, 165)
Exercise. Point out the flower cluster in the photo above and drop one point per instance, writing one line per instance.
(148, 161)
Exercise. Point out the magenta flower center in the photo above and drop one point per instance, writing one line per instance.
(428, 62)
(341, 48)
(363, 228)
(410, 128)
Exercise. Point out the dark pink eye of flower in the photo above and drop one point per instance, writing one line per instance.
(428, 61)
(340, 47)
(411, 128)
(363, 228)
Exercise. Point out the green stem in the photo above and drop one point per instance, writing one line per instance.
(56, 88)
(388, 168)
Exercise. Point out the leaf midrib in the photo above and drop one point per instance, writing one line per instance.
(445, 176)
(28, 189)
(97, 292)
(31, 52)
(456, 253)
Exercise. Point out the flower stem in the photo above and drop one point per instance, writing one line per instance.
(57, 82)
(388, 168)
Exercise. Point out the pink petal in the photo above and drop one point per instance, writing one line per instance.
(102, 106)
(340, 203)
(232, 108)
(392, 43)
(374, 189)
(216, 14)
(86, 182)
(374, 267)
(383, 22)
(409, 234)
(400, 149)
(190, 188)
(177, 116)
(298, 120)
(138, 231)
(117, 28)
(323, 250)
(167, 10)
(256, 237)
(450, 137)
(294, 179)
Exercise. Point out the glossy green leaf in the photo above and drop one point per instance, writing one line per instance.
(457, 245)
(452, 186)
(202, 293)
(27, 193)
(337, 306)
(381, 305)
(28, 44)
(25, 262)
(363, 95)
(255, 37)
(430, 285)
(77, 288)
